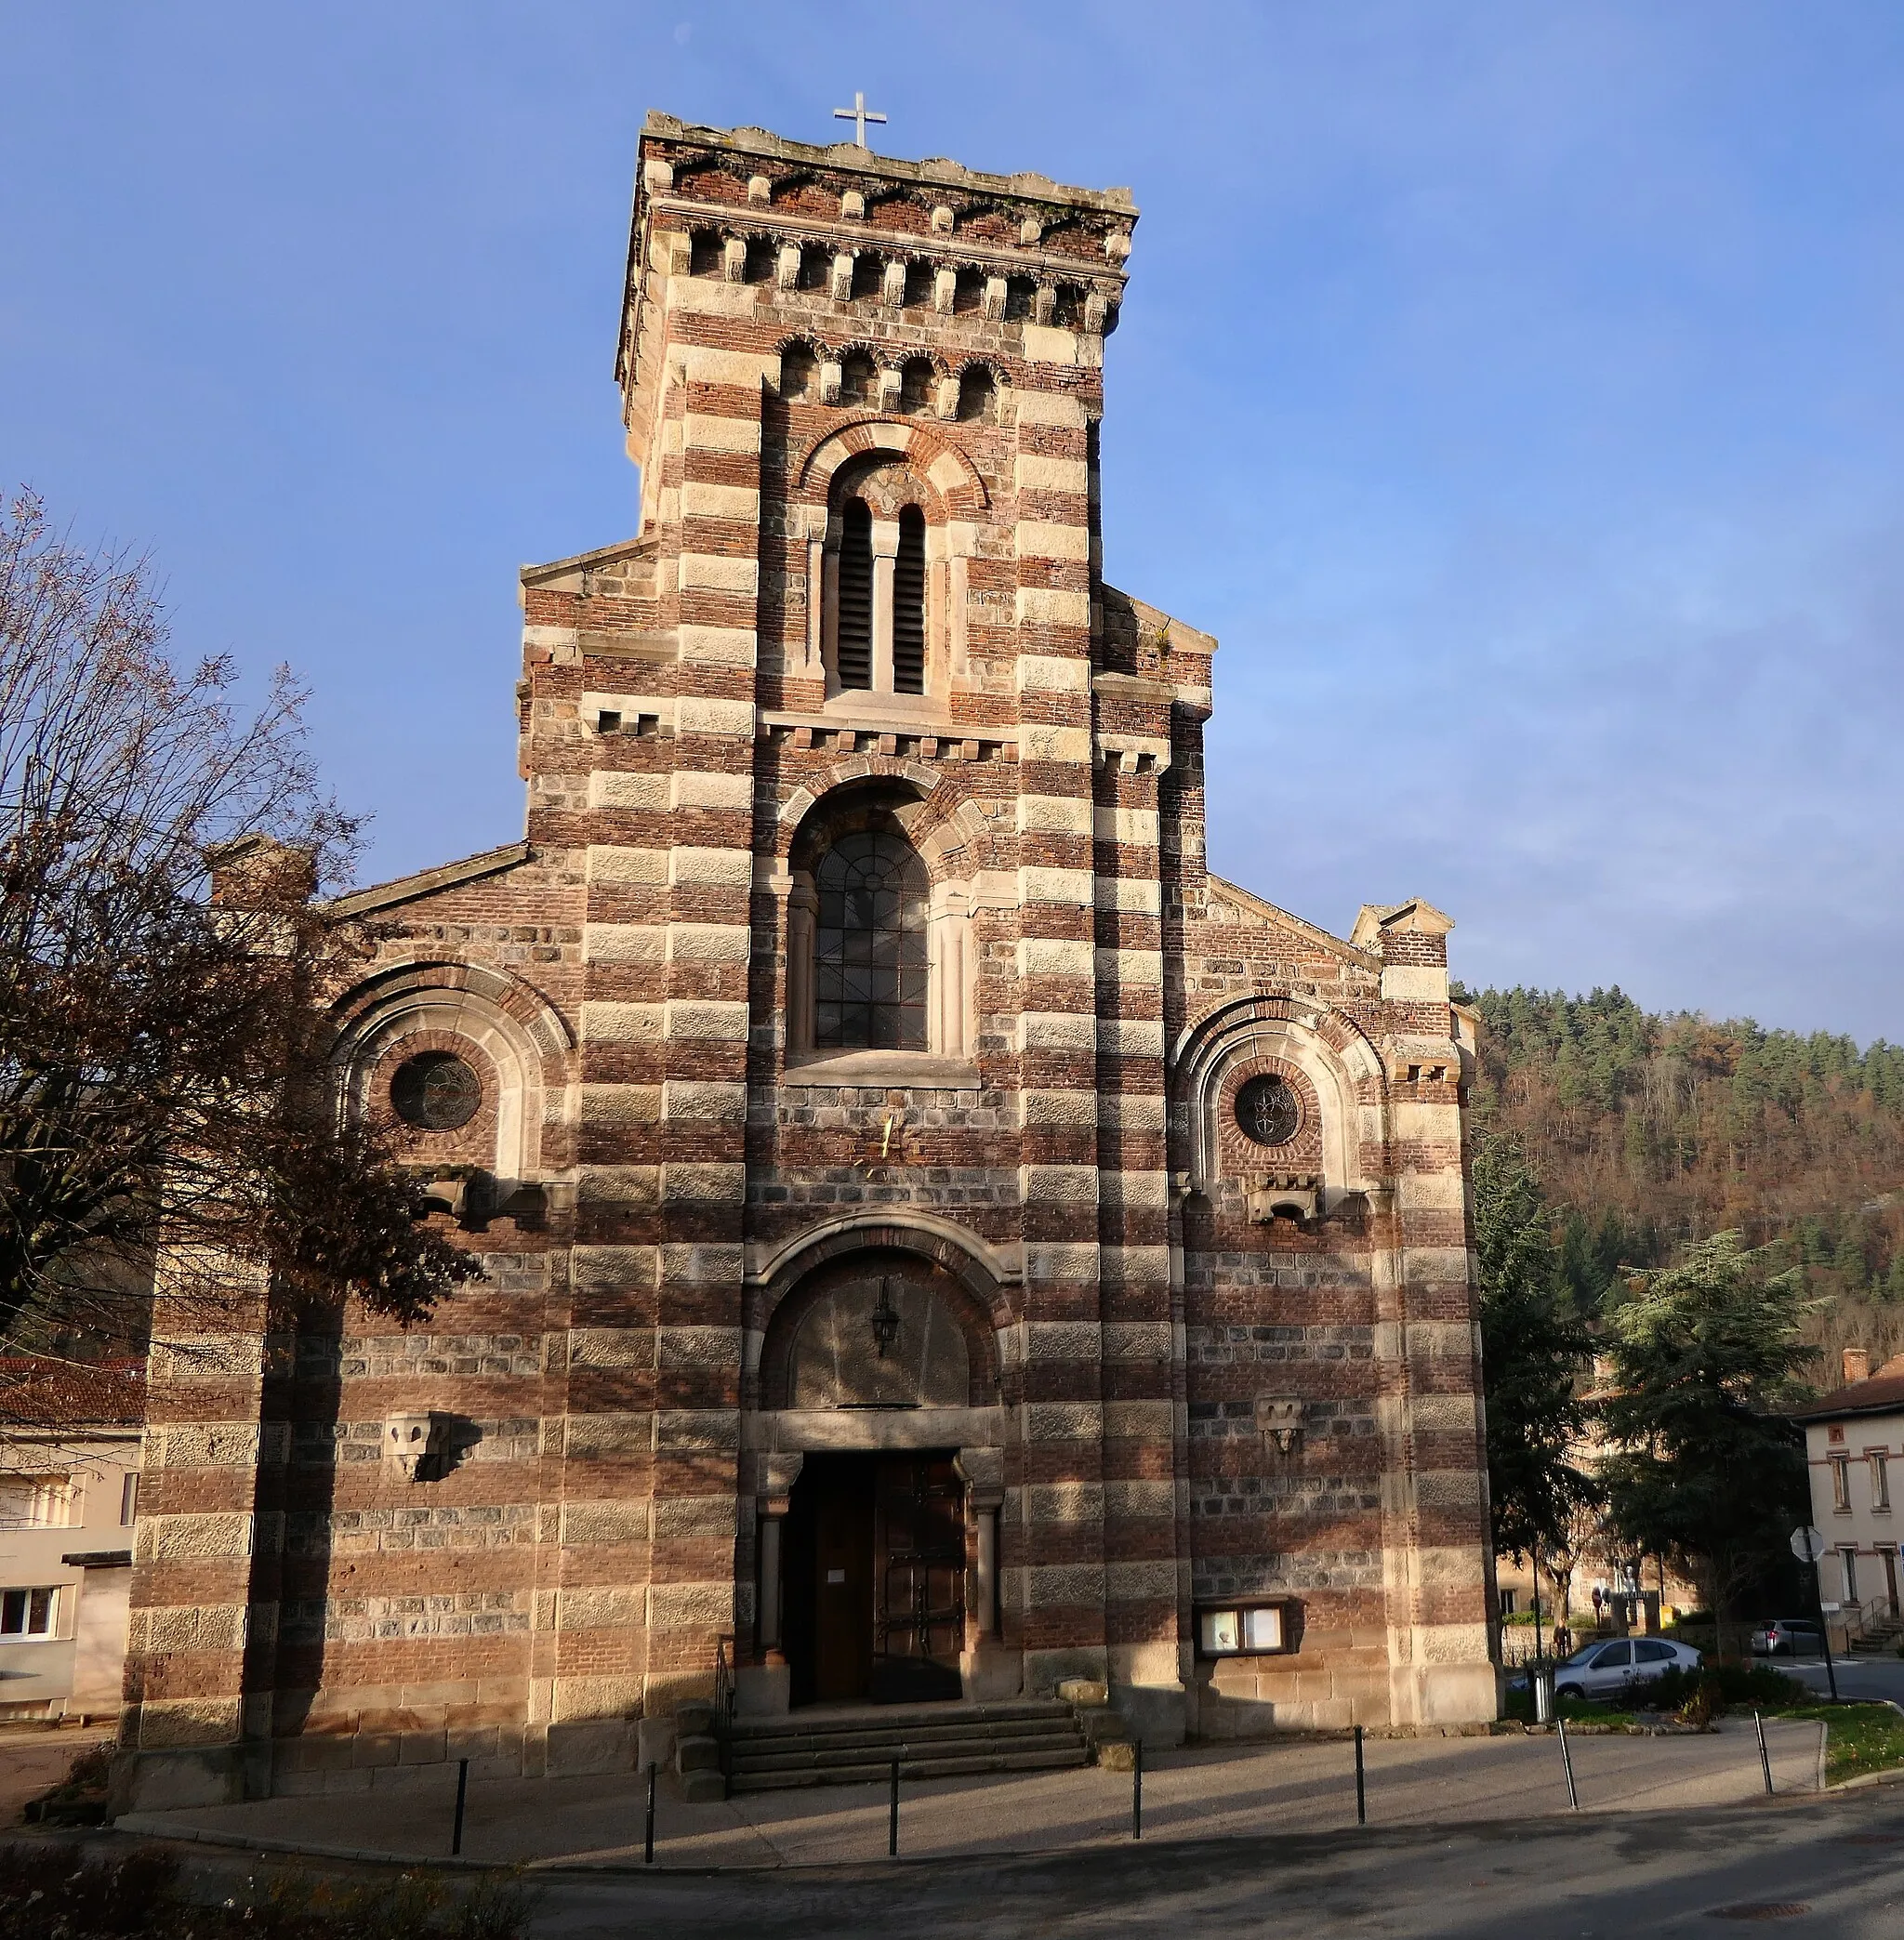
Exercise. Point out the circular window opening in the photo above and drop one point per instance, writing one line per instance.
(1268, 1110)
(436, 1091)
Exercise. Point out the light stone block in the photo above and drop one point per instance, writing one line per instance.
(722, 868)
(621, 1104)
(1042, 1111)
(682, 1429)
(1131, 895)
(740, 505)
(1136, 1192)
(709, 714)
(1054, 815)
(704, 1020)
(1062, 1185)
(603, 1524)
(1063, 1422)
(1039, 538)
(612, 1269)
(611, 1346)
(1039, 743)
(1139, 1421)
(605, 1022)
(706, 1182)
(603, 1607)
(1414, 983)
(693, 789)
(704, 1101)
(716, 646)
(1066, 888)
(1055, 957)
(1143, 1342)
(1052, 606)
(709, 943)
(1065, 1502)
(1052, 407)
(591, 1437)
(1129, 1037)
(183, 1538)
(1059, 1260)
(704, 432)
(697, 1605)
(619, 1185)
(1134, 829)
(1033, 472)
(1062, 1340)
(573, 1699)
(699, 1347)
(1063, 1585)
(1057, 1031)
(608, 789)
(1054, 673)
(604, 864)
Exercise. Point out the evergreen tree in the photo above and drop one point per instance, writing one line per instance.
(1533, 1348)
(1707, 1470)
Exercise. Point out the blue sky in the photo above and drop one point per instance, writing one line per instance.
(1516, 392)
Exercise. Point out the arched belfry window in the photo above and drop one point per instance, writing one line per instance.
(856, 595)
(870, 954)
(909, 604)
(889, 575)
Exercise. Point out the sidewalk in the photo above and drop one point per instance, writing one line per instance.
(1201, 1792)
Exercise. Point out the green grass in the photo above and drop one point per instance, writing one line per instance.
(1858, 1738)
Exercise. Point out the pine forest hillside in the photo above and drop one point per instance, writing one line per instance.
(1652, 1130)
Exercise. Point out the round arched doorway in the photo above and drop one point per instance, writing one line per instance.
(875, 1367)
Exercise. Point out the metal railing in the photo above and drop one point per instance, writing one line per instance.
(723, 1680)
(1862, 1619)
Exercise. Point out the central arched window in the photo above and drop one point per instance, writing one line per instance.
(870, 959)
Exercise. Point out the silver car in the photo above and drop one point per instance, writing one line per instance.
(1611, 1669)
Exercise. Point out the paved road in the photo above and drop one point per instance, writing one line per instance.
(1838, 1862)
(1858, 1677)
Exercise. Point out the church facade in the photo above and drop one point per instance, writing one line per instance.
(940, 1239)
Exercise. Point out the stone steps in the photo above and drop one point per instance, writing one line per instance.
(858, 1748)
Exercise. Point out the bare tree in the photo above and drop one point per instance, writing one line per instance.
(162, 1058)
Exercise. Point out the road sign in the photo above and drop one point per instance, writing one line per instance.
(1808, 1545)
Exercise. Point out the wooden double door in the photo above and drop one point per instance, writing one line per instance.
(873, 1557)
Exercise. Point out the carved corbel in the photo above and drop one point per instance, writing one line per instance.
(779, 1472)
(983, 1472)
(1279, 1420)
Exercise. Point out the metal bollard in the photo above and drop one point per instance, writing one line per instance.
(1765, 1756)
(1137, 1791)
(1361, 1789)
(1573, 1798)
(892, 1816)
(648, 1838)
(462, 1794)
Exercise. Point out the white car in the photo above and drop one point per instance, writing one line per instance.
(1608, 1670)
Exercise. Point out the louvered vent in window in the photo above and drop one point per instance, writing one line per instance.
(856, 596)
(909, 604)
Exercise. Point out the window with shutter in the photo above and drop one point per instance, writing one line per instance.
(909, 604)
(856, 596)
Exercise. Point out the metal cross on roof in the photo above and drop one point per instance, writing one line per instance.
(858, 115)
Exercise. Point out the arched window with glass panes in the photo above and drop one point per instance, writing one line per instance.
(870, 945)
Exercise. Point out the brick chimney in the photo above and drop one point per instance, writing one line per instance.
(1857, 1365)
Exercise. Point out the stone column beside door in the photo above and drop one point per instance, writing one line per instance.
(765, 1689)
(986, 1668)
